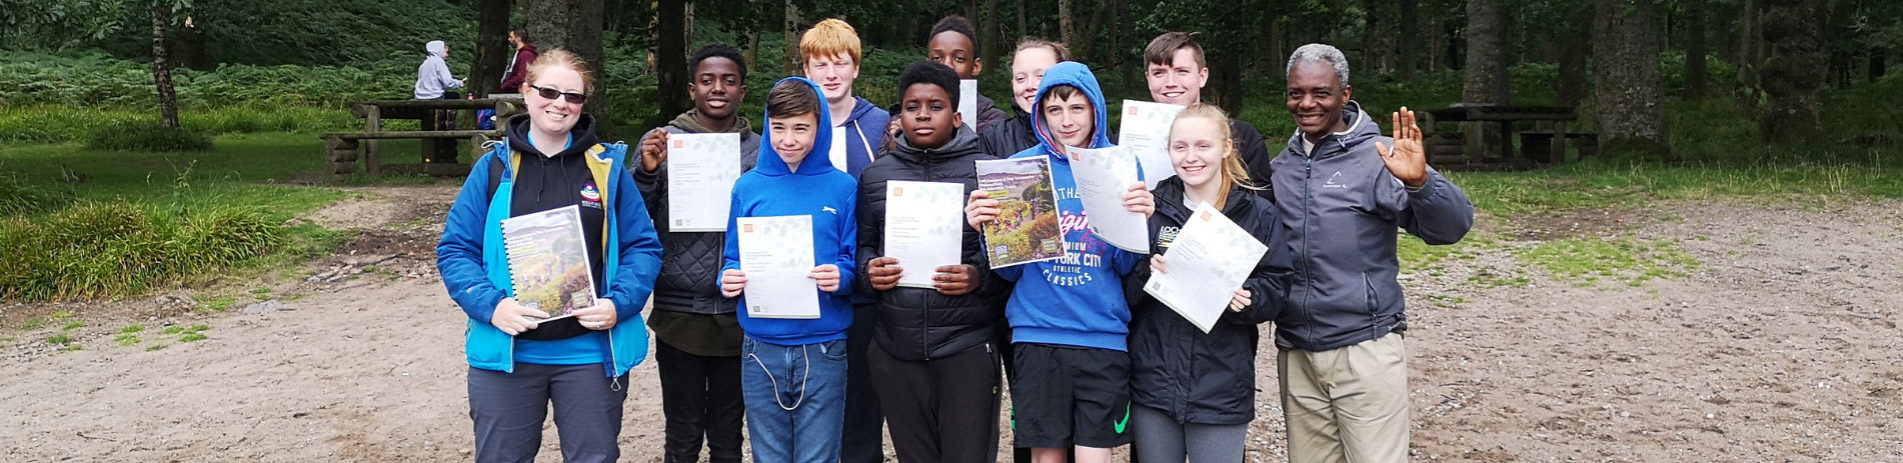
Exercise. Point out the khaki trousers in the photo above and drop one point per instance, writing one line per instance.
(1348, 404)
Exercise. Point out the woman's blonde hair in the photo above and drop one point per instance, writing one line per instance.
(1233, 173)
(563, 58)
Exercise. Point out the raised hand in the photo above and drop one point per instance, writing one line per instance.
(1407, 160)
(653, 150)
(1137, 199)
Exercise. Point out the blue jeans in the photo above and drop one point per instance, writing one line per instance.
(796, 399)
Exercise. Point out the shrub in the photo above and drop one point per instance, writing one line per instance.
(146, 136)
(19, 198)
(111, 249)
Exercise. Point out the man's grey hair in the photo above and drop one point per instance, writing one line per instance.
(1321, 53)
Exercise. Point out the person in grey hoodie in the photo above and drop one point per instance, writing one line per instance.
(1341, 190)
(433, 76)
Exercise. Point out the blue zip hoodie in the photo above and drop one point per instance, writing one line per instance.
(819, 190)
(865, 132)
(475, 268)
(1077, 300)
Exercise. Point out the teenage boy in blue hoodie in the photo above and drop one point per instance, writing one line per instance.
(794, 370)
(1068, 317)
(1342, 189)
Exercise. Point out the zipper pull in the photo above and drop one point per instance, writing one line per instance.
(614, 384)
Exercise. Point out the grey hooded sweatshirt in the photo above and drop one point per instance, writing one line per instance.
(433, 76)
(1340, 207)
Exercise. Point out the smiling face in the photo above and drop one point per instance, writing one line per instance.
(1027, 70)
(954, 50)
(1070, 120)
(1315, 99)
(1197, 148)
(554, 115)
(1179, 82)
(834, 74)
(717, 88)
(927, 116)
(793, 137)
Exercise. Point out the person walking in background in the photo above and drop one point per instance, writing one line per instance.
(518, 69)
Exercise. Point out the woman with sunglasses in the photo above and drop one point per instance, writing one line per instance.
(519, 365)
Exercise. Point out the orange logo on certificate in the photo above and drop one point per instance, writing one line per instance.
(680, 144)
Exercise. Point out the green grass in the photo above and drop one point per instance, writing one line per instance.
(219, 303)
(63, 314)
(32, 324)
(59, 339)
(1587, 261)
(73, 326)
(187, 334)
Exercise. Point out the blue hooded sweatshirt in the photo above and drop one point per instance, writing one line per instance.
(865, 131)
(1077, 300)
(819, 190)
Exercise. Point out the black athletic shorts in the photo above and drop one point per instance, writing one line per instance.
(1068, 395)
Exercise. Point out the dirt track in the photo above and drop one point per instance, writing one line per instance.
(1782, 345)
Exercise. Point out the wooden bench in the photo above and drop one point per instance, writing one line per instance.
(438, 145)
(1502, 115)
(1537, 145)
(340, 148)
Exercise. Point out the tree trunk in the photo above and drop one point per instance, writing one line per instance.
(1024, 28)
(791, 27)
(1410, 42)
(1628, 90)
(1575, 45)
(992, 33)
(1791, 73)
(670, 56)
(161, 70)
(752, 53)
(1878, 68)
(1695, 49)
(492, 49)
(1485, 73)
(1436, 35)
(1065, 25)
(576, 26)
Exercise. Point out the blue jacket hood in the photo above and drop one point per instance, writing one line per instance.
(817, 160)
(1078, 75)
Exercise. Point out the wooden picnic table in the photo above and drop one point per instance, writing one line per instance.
(341, 147)
(1506, 115)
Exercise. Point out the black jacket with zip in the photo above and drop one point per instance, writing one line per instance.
(1196, 377)
(916, 323)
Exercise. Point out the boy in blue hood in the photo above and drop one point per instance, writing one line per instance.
(1341, 192)
(1068, 316)
(794, 370)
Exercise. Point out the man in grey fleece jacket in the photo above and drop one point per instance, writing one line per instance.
(1342, 189)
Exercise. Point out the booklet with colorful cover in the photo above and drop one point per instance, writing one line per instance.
(548, 261)
(1026, 229)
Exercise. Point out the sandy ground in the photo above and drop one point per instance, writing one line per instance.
(1782, 346)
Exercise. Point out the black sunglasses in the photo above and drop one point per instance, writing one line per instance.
(551, 94)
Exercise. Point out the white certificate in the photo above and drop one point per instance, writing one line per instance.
(1101, 176)
(1145, 131)
(838, 153)
(701, 168)
(968, 102)
(1209, 259)
(777, 255)
(923, 228)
